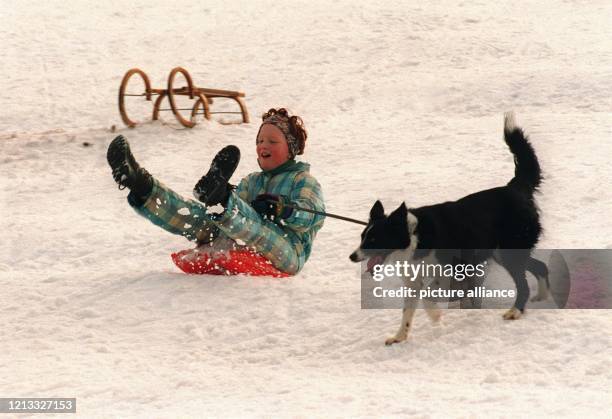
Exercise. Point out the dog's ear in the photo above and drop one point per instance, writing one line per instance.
(377, 211)
(400, 214)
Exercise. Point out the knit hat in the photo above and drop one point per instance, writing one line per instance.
(290, 126)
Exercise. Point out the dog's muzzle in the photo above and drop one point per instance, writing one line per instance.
(357, 256)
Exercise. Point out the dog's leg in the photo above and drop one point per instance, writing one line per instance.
(515, 262)
(407, 315)
(522, 295)
(410, 305)
(540, 271)
(432, 310)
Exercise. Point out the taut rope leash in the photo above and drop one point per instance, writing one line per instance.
(326, 214)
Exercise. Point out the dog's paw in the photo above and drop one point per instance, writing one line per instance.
(512, 314)
(539, 297)
(394, 339)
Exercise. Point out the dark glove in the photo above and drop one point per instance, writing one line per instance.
(272, 207)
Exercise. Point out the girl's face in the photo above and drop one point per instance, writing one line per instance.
(272, 148)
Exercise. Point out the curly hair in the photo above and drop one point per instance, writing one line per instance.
(296, 126)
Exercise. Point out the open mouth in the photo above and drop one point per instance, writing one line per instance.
(265, 155)
(375, 260)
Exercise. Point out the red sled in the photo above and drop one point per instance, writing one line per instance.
(232, 262)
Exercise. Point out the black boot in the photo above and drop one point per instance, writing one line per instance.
(213, 188)
(126, 172)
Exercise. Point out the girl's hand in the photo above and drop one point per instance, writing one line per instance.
(272, 206)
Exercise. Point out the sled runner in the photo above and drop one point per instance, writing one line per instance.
(232, 262)
(203, 98)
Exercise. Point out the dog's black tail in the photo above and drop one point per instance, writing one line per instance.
(527, 172)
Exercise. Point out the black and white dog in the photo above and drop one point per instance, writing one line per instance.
(502, 223)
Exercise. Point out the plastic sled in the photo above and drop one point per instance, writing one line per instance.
(232, 262)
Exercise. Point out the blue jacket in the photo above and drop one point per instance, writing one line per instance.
(294, 181)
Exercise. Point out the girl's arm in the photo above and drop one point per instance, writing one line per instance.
(306, 193)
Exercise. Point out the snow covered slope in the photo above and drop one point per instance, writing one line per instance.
(403, 102)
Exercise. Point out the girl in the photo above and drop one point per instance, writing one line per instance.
(257, 214)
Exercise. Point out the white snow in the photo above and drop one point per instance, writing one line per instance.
(215, 209)
(402, 101)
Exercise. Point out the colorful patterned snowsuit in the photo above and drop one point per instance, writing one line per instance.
(285, 243)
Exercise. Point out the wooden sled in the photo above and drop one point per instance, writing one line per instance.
(203, 98)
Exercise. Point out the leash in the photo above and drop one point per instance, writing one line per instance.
(326, 214)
